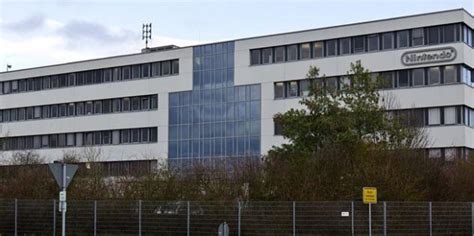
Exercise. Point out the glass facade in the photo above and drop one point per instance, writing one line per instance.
(216, 119)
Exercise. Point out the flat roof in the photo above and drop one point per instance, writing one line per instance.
(247, 38)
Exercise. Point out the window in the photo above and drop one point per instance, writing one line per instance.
(449, 33)
(305, 51)
(331, 84)
(116, 105)
(126, 104)
(434, 75)
(106, 137)
(135, 135)
(135, 71)
(135, 103)
(434, 153)
(14, 86)
(450, 154)
(22, 85)
(126, 72)
(254, 57)
(116, 74)
(71, 77)
(434, 36)
(61, 140)
(345, 82)
(154, 102)
(155, 69)
(145, 70)
(145, 103)
(417, 37)
(79, 139)
(403, 79)
(80, 109)
(331, 47)
(144, 135)
(71, 109)
(292, 89)
(450, 115)
(21, 114)
(46, 83)
(279, 54)
(278, 128)
(45, 141)
(54, 111)
(292, 52)
(108, 75)
(373, 42)
(115, 137)
(175, 67)
(418, 77)
(345, 46)
(88, 108)
(166, 68)
(62, 110)
(37, 112)
(450, 74)
(45, 111)
(358, 44)
(70, 140)
(318, 49)
(279, 90)
(106, 106)
(267, 55)
(304, 87)
(434, 117)
(97, 107)
(402, 39)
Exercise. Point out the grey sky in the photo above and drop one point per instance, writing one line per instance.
(35, 33)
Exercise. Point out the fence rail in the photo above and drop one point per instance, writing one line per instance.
(41, 217)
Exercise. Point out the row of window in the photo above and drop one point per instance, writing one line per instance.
(80, 139)
(449, 154)
(390, 79)
(215, 147)
(419, 117)
(115, 105)
(139, 71)
(365, 43)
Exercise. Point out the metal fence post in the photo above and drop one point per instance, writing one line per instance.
(370, 219)
(54, 217)
(95, 217)
(294, 218)
(385, 218)
(16, 217)
(352, 217)
(189, 220)
(239, 218)
(139, 217)
(431, 220)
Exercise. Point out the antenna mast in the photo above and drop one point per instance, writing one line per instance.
(146, 33)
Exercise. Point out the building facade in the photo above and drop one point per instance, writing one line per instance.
(218, 100)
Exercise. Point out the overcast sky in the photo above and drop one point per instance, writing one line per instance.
(44, 32)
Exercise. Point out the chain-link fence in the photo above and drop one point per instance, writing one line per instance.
(41, 217)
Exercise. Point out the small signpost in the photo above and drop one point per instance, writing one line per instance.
(369, 196)
(63, 174)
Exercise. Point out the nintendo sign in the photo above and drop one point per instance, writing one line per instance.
(428, 56)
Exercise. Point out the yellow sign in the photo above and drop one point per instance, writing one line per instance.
(369, 195)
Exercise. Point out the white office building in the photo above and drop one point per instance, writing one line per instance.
(218, 100)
